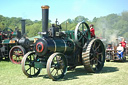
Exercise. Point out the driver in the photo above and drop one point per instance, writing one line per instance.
(92, 30)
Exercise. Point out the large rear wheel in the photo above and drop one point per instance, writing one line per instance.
(93, 56)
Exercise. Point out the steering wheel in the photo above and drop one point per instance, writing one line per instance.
(82, 33)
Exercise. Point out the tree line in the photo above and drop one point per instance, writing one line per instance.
(110, 26)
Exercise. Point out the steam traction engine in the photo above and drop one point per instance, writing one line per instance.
(22, 45)
(58, 50)
(14, 44)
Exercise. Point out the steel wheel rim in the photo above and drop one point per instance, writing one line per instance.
(28, 65)
(56, 66)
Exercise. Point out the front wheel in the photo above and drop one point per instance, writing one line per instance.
(28, 65)
(56, 66)
(16, 54)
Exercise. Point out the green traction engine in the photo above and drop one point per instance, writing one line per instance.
(13, 44)
(59, 51)
(5, 42)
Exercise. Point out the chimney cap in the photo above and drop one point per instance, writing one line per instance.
(45, 7)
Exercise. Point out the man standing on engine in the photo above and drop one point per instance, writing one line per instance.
(92, 30)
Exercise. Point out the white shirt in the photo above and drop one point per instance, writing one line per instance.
(120, 48)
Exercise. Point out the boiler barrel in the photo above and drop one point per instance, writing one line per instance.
(61, 45)
(54, 45)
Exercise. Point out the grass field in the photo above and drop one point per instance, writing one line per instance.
(113, 73)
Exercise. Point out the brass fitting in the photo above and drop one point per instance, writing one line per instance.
(45, 7)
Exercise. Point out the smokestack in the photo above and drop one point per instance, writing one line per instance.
(45, 11)
(23, 26)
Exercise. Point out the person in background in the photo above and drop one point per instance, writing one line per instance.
(109, 51)
(120, 51)
(92, 30)
(109, 47)
(123, 44)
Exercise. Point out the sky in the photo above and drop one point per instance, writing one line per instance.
(62, 9)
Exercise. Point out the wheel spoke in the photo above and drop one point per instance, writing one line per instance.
(34, 70)
(85, 37)
(80, 37)
(97, 47)
(20, 54)
(27, 69)
(30, 58)
(20, 58)
(14, 57)
(17, 59)
(14, 52)
(99, 53)
(94, 44)
(96, 67)
(99, 61)
(27, 64)
(52, 70)
(30, 70)
(61, 71)
(79, 33)
(93, 50)
(56, 72)
(82, 27)
(56, 59)
(92, 59)
(91, 53)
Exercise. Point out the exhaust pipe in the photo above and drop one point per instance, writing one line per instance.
(23, 26)
(45, 13)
